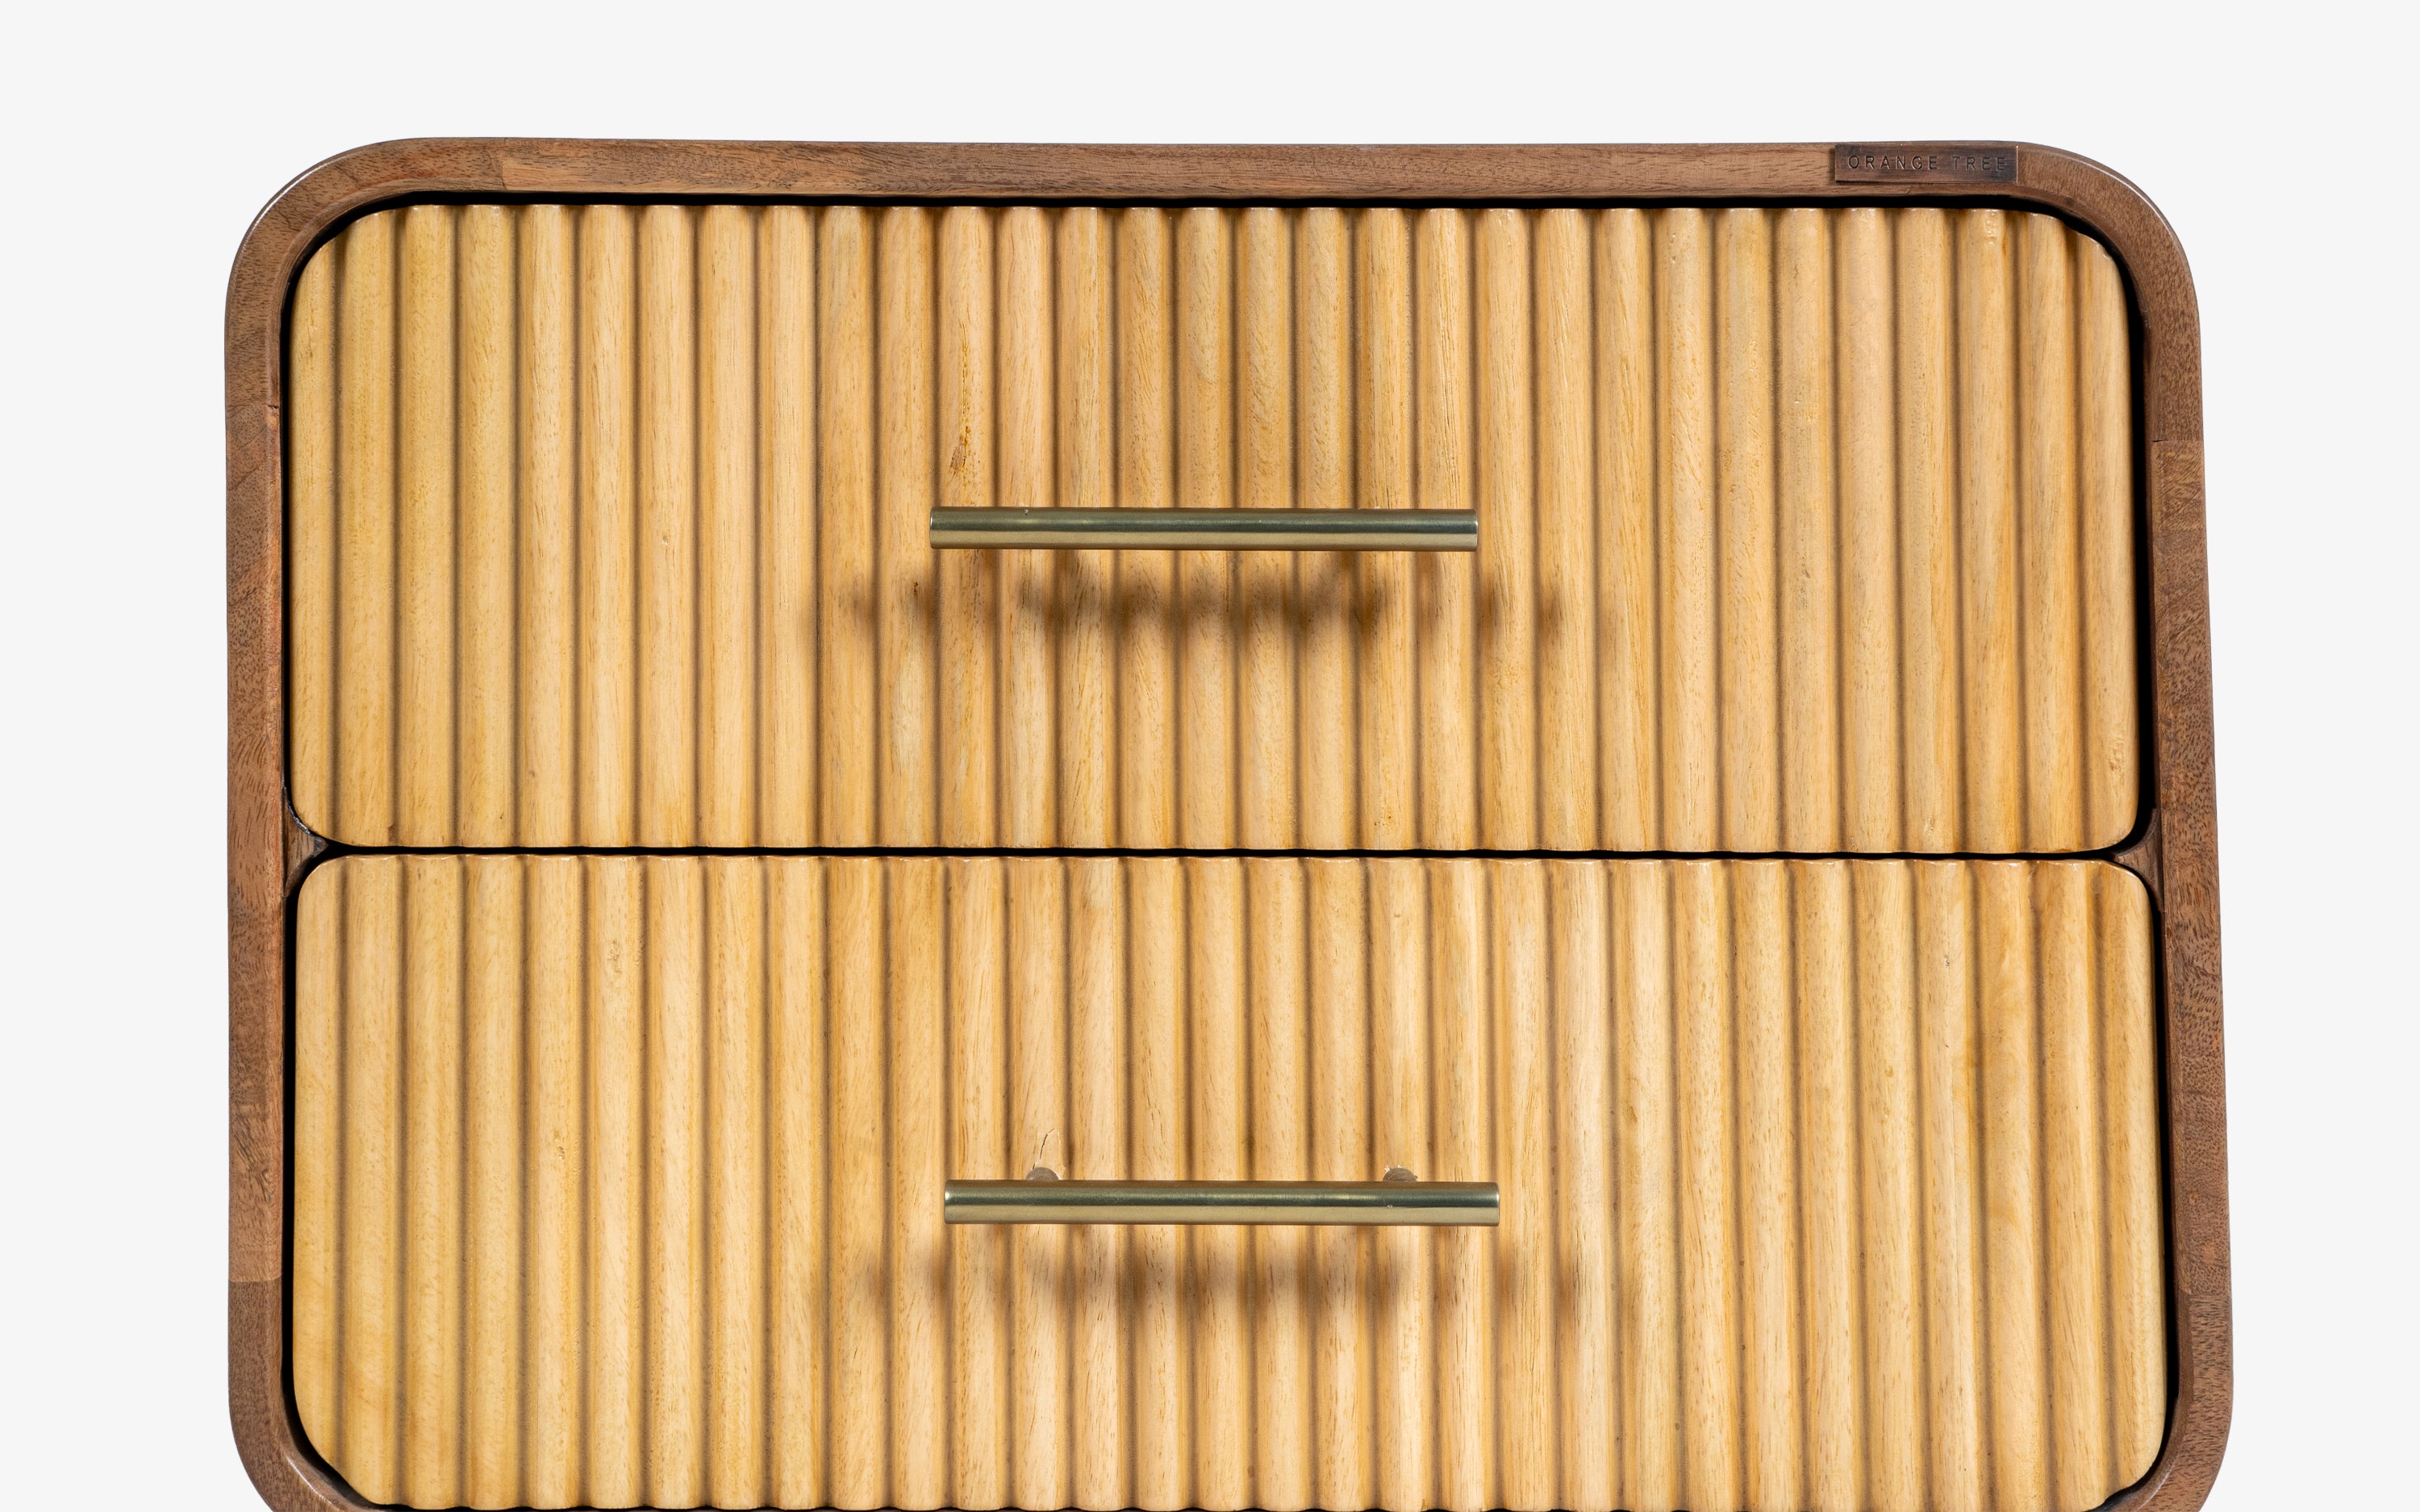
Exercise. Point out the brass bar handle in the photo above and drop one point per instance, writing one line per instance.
(1431, 1204)
(1209, 530)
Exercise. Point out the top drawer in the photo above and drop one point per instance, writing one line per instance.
(1801, 530)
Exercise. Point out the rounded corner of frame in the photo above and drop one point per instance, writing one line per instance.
(278, 1465)
(2120, 211)
(343, 184)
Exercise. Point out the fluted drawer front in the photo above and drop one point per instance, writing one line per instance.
(1826, 1184)
(1800, 529)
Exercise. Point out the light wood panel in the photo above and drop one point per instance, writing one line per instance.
(1803, 529)
(1827, 1185)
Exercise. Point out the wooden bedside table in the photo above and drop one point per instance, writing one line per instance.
(1687, 821)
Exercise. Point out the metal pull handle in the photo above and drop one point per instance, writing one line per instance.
(1209, 530)
(1049, 1201)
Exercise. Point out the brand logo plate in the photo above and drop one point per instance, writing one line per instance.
(1924, 163)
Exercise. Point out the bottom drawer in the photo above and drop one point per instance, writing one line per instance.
(618, 1181)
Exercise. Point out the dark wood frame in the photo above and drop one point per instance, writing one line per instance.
(2174, 848)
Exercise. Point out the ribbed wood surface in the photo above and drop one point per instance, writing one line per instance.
(1827, 1185)
(1802, 530)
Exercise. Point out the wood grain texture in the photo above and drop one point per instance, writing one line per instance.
(1645, 407)
(1690, 1078)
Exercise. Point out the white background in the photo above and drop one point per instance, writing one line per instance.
(140, 140)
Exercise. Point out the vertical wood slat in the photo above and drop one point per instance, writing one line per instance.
(920, 1367)
(1992, 644)
(545, 594)
(729, 586)
(1031, 617)
(1948, 1056)
(845, 571)
(1041, 1419)
(614, 1444)
(493, 954)
(1746, 603)
(1505, 448)
(906, 728)
(427, 510)
(322, 1066)
(369, 1180)
(489, 561)
(1205, 580)
(1467, 1151)
(1384, 629)
(1867, 420)
(673, 1090)
(1930, 738)
(1824, 994)
(1097, 1146)
(788, 618)
(448, 1114)
(734, 1281)
(1400, 1132)
(974, 608)
(1802, 530)
(798, 1050)
(1265, 479)
(1581, 1063)
(1322, 479)
(607, 581)
(859, 1445)
(311, 532)
(2049, 544)
(1528, 1466)
(1155, 1151)
(1890, 1194)
(1339, 1122)
(1686, 583)
(360, 719)
(1772, 1246)
(1704, 1109)
(2105, 455)
(1447, 626)
(666, 609)
(1807, 539)
(1083, 418)
(1646, 1264)
(555, 1050)
(1828, 1184)
(1215, 1014)
(1565, 569)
